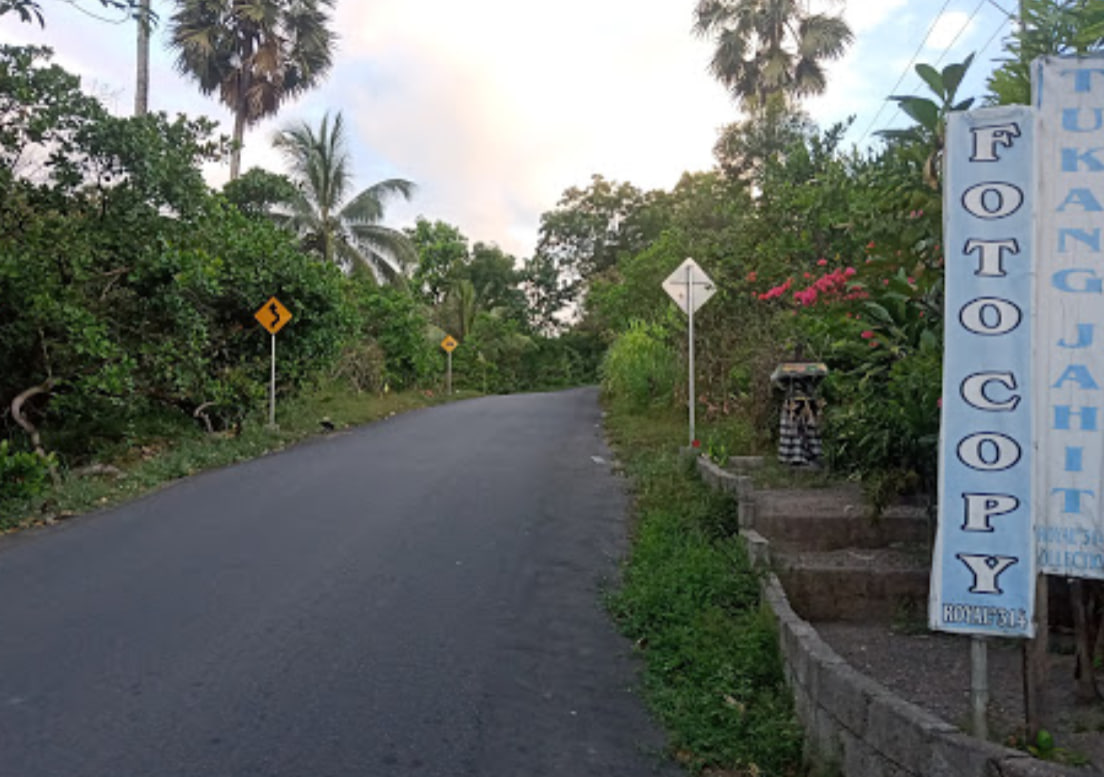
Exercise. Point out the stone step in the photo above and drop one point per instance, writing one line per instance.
(855, 584)
(828, 532)
(831, 519)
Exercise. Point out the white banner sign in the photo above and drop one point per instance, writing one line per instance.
(983, 571)
(1069, 304)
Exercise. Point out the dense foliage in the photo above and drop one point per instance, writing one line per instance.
(128, 287)
(818, 253)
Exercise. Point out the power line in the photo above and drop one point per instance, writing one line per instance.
(904, 72)
(944, 53)
(1002, 9)
(961, 30)
(996, 32)
(97, 17)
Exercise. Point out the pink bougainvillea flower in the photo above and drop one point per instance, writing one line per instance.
(867, 334)
(808, 275)
(870, 245)
(751, 276)
(822, 262)
(873, 343)
(849, 271)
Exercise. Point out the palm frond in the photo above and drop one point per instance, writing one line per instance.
(368, 206)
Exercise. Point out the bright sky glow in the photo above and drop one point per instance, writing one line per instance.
(494, 107)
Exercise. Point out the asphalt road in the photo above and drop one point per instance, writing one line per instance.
(417, 597)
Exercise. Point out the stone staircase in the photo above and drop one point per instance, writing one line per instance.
(835, 560)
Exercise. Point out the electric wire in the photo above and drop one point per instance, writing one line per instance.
(97, 17)
(946, 50)
(904, 72)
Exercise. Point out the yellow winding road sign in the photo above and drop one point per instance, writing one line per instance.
(273, 315)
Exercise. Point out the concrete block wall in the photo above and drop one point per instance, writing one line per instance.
(854, 726)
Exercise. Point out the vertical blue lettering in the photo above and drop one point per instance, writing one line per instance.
(1086, 416)
(1091, 238)
(1084, 337)
(1080, 375)
(1071, 120)
(1082, 197)
(1082, 78)
(1073, 458)
(1072, 159)
(1072, 503)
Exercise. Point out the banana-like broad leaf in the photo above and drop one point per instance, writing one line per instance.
(933, 79)
(953, 74)
(923, 111)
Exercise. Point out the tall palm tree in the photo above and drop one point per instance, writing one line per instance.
(769, 49)
(255, 53)
(340, 228)
(141, 87)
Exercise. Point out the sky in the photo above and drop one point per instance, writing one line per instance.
(494, 107)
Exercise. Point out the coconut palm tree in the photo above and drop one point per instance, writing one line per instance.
(143, 19)
(769, 49)
(254, 53)
(339, 228)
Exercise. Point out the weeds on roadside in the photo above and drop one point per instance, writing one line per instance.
(168, 452)
(690, 600)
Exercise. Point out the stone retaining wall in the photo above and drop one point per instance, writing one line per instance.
(854, 726)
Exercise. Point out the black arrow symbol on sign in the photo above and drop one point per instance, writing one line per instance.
(275, 315)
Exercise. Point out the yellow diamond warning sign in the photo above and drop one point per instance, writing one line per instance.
(273, 315)
(449, 343)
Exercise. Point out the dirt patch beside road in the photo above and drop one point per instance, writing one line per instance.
(933, 671)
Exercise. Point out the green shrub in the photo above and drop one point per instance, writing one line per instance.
(22, 474)
(641, 368)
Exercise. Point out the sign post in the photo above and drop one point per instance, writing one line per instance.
(1021, 462)
(690, 288)
(273, 316)
(449, 344)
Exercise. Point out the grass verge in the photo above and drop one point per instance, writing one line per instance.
(163, 452)
(690, 600)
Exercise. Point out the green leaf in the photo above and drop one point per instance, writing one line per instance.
(953, 74)
(923, 111)
(933, 79)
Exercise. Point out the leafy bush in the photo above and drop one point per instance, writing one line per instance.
(641, 369)
(22, 474)
(362, 364)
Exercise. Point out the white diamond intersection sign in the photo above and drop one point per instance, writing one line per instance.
(689, 283)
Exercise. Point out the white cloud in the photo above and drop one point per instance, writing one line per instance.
(948, 29)
(494, 107)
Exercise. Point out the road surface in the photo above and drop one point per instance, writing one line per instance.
(421, 596)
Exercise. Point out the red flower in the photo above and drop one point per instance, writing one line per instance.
(822, 262)
(867, 334)
(696, 443)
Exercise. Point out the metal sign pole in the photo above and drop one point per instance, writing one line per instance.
(690, 309)
(272, 387)
(450, 373)
(979, 686)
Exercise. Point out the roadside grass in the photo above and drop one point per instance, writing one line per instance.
(162, 450)
(690, 600)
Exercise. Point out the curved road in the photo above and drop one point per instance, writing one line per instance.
(418, 597)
